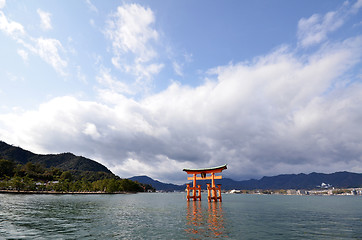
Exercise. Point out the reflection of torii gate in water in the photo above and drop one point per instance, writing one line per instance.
(212, 194)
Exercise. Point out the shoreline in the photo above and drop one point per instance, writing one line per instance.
(53, 192)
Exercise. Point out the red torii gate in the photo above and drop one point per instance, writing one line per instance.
(211, 191)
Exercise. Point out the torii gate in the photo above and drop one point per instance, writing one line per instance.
(211, 191)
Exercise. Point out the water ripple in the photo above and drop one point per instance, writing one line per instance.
(170, 216)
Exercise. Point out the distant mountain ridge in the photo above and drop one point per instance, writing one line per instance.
(157, 184)
(64, 161)
(284, 181)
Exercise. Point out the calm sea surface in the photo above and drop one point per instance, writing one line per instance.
(170, 216)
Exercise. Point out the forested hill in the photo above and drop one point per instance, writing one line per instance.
(63, 161)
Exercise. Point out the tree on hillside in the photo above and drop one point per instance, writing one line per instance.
(66, 176)
(6, 168)
(17, 183)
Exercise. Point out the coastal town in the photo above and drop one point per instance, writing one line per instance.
(331, 191)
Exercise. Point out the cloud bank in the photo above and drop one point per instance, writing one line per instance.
(276, 114)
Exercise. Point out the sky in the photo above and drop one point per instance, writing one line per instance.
(152, 87)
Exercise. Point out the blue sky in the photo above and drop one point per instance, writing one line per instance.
(152, 87)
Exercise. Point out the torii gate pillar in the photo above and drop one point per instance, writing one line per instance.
(213, 192)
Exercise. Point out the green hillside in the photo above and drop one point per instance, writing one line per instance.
(22, 170)
(63, 161)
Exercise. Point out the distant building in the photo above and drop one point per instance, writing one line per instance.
(325, 185)
(291, 192)
(235, 191)
(302, 192)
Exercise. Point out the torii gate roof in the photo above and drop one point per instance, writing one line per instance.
(206, 170)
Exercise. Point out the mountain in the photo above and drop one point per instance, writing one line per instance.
(284, 181)
(157, 184)
(312, 180)
(64, 161)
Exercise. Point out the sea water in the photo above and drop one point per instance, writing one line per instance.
(170, 216)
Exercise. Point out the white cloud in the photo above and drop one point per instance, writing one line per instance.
(133, 37)
(314, 30)
(91, 6)
(110, 83)
(91, 130)
(177, 68)
(2, 3)
(11, 28)
(92, 23)
(23, 54)
(48, 50)
(130, 30)
(357, 5)
(45, 19)
(81, 76)
(14, 77)
(145, 72)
